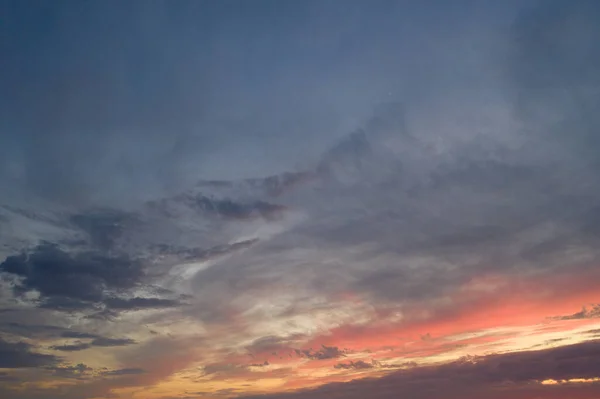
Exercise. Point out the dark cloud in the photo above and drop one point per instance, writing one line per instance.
(229, 208)
(20, 354)
(585, 313)
(106, 342)
(77, 371)
(6, 377)
(66, 304)
(30, 330)
(270, 344)
(325, 352)
(138, 303)
(129, 371)
(354, 365)
(81, 281)
(69, 281)
(263, 364)
(202, 254)
(77, 334)
(95, 341)
(104, 226)
(495, 376)
(71, 347)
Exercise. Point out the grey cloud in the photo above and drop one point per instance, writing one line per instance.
(20, 354)
(6, 377)
(199, 254)
(325, 352)
(96, 340)
(106, 342)
(554, 70)
(215, 368)
(75, 340)
(137, 303)
(66, 304)
(104, 226)
(270, 344)
(71, 347)
(263, 364)
(78, 371)
(585, 313)
(129, 371)
(228, 208)
(481, 207)
(30, 330)
(112, 125)
(406, 207)
(81, 278)
(77, 334)
(356, 365)
(80, 282)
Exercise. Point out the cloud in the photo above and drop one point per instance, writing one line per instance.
(130, 371)
(96, 340)
(81, 281)
(78, 371)
(20, 355)
(201, 254)
(228, 208)
(65, 279)
(585, 313)
(215, 368)
(30, 330)
(468, 173)
(356, 365)
(138, 303)
(66, 304)
(325, 352)
(103, 226)
(107, 342)
(77, 334)
(6, 377)
(263, 364)
(494, 376)
(71, 347)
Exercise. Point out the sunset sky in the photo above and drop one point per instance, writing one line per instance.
(300, 199)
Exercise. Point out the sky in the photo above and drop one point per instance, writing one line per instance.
(299, 199)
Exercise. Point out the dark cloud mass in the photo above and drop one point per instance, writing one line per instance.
(140, 303)
(124, 372)
(112, 341)
(80, 281)
(20, 354)
(325, 352)
(71, 347)
(358, 365)
(103, 226)
(102, 342)
(66, 279)
(495, 376)
(77, 334)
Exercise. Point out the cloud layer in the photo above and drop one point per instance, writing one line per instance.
(301, 200)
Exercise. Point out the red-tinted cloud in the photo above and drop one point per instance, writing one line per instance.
(507, 376)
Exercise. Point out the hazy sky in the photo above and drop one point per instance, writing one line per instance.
(269, 199)
(147, 96)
